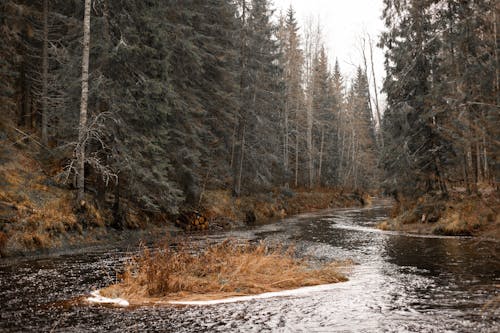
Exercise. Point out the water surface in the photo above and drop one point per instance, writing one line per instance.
(401, 283)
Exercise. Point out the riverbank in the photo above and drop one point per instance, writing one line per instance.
(38, 214)
(456, 214)
(28, 227)
(224, 211)
(421, 274)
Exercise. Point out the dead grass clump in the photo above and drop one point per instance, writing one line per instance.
(222, 270)
(35, 241)
(457, 214)
(55, 214)
(466, 217)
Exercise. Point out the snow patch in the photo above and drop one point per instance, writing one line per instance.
(292, 292)
(97, 298)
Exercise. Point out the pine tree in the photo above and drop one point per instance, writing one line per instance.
(366, 161)
(257, 160)
(438, 122)
(293, 95)
(322, 107)
(412, 155)
(338, 108)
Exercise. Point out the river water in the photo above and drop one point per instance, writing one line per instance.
(400, 283)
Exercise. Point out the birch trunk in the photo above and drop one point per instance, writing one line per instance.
(80, 154)
(375, 89)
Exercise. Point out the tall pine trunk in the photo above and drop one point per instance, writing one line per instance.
(80, 154)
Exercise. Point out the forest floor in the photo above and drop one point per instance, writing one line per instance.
(38, 213)
(457, 214)
(227, 269)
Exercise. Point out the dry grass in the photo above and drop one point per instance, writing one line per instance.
(276, 204)
(37, 213)
(468, 217)
(220, 271)
(457, 215)
(54, 212)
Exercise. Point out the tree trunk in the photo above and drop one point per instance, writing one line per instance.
(233, 144)
(80, 154)
(485, 158)
(375, 89)
(45, 72)
(495, 32)
(238, 167)
(321, 155)
(26, 115)
(366, 74)
(479, 170)
(238, 153)
(297, 143)
(297, 153)
(285, 144)
(310, 145)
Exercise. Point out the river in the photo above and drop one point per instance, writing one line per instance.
(399, 283)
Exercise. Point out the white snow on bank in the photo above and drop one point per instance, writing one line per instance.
(97, 298)
(293, 292)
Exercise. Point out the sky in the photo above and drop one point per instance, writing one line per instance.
(343, 22)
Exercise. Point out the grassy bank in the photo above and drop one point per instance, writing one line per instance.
(225, 211)
(224, 270)
(456, 214)
(37, 211)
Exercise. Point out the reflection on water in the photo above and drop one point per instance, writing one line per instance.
(400, 283)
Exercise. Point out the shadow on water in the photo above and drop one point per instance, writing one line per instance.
(400, 283)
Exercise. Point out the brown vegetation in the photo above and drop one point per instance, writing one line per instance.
(222, 209)
(220, 271)
(35, 211)
(455, 214)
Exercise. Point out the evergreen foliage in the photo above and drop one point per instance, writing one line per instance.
(183, 96)
(438, 122)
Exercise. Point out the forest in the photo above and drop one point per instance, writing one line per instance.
(213, 166)
(153, 103)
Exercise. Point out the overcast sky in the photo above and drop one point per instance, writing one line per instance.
(343, 21)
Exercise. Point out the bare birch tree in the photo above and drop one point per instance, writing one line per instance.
(80, 149)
